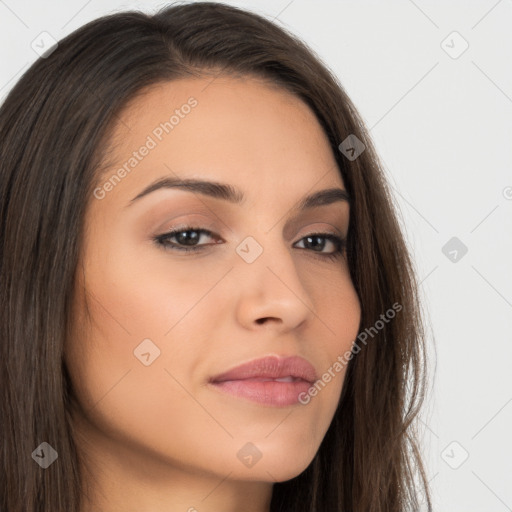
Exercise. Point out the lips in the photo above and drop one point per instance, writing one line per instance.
(271, 381)
(271, 368)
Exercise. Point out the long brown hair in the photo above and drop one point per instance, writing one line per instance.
(54, 128)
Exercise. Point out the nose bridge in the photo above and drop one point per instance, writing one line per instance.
(271, 285)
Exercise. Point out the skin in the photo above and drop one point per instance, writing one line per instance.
(158, 437)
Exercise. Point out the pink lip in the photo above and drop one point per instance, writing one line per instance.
(256, 380)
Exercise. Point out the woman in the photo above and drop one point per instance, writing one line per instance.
(207, 301)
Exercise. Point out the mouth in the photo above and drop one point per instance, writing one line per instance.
(271, 380)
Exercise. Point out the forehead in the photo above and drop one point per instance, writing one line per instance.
(238, 130)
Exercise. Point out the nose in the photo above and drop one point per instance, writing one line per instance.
(270, 291)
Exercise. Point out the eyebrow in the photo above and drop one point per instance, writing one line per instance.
(233, 195)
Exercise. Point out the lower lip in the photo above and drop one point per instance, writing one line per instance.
(273, 393)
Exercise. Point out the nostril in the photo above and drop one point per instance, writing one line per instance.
(265, 319)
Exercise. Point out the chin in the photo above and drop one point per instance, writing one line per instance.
(277, 467)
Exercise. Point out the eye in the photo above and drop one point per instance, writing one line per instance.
(189, 236)
(317, 241)
(187, 240)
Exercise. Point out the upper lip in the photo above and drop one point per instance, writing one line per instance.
(272, 367)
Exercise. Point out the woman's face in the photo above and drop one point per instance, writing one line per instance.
(164, 322)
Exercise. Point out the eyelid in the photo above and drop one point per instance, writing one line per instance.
(188, 222)
(208, 225)
(205, 222)
(333, 230)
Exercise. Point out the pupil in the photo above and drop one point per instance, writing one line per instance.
(316, 239)
(183, 238)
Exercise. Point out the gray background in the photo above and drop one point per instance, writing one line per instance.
(442, 124)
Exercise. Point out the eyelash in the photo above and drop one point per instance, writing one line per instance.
(161, 240)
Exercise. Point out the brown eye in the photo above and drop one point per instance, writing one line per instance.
(316, 242)
(186, 239)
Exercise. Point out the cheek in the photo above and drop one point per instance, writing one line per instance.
(148, 315)
(140, 294)
(119, 393)
(338, 309)
(339, 315)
